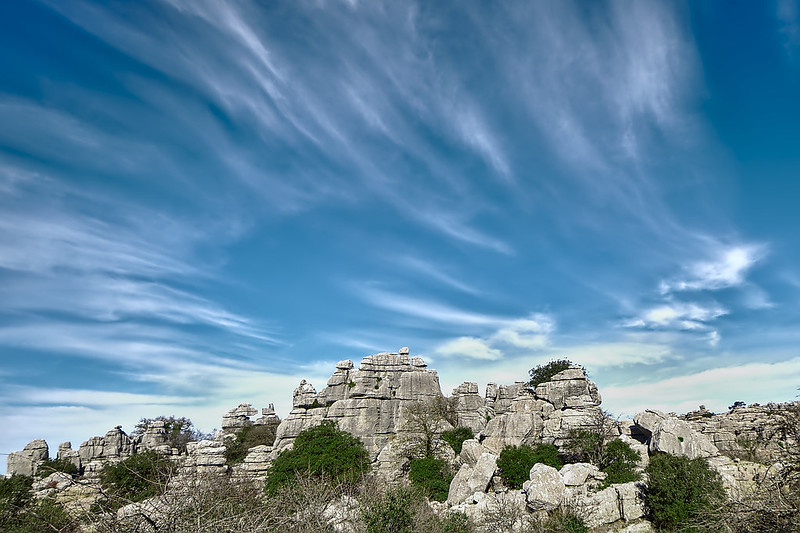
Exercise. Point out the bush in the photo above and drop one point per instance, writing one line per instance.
(543, 373)
(620, 462)
(392, 513)
(456, 522)
(248, 437)
(49, 466)
(322, 450)
(680, 490)
(515, 462)
(136, 478)
(433, 476)
(20, 513)
(456, 437)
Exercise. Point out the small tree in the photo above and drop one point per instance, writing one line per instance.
(543, 373)
(423, 424)
(136, 478)
(248, 437)
(322, 450)
(588, 444)
(180, 430)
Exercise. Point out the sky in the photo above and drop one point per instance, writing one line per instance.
(203, 202)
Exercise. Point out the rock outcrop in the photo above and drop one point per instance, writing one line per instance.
(367, 402)
(26, 461)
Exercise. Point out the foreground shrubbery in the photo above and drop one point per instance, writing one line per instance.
(680, 490)
(515, 462)
(432, 475)
(20, 513)
(322, 450)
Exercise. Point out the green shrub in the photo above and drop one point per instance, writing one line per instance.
(136, 478)
(515, 462)
(680, 489)
(565, 522)
(248, 437)
(620, 462)
(543, 373)
(456, 437)
(48, 466)
(456, 522)
(322, 450)
(432, 475)
(391, 513)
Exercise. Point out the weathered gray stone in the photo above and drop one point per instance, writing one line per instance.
(470, 480)
(570, 388)
(471, 450)
(600, 508)
(677, 437)
(545, 490)
(631, 500)
(26, 461)
(66, 453)
(575, 474)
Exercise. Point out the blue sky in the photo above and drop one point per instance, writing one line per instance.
(202, 202)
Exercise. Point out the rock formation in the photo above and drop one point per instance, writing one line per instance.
(372, 401)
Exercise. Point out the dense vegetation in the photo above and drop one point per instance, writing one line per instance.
(515, 462)
(432, 475)
(248, 437)
(320, 451)
(542, 373)
(680, 490)
(136, 478)
(455, 437)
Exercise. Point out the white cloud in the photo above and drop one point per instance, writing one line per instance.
(611, 354)
(675, 315)
(531, 333)
(728, 269)
(715, 388)
(468, 347)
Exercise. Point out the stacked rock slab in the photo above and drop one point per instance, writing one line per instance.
(748, 432)
(115, 445)
(470, 407)
(26, 461)
(567, 402)
(367, 402)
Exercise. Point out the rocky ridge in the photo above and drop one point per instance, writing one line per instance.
(370, 402)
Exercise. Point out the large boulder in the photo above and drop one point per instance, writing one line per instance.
(470, 480)
(26, 461)
(677, 437)
(545, 490)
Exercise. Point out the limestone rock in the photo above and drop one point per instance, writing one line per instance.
(570, 388)
(647, 421)
(367, 402)
(471, 450)
(600, 508)
(545, 490)
(66, 453)
(677, 437)
(469, 405)
(631, 500)
(155, 435)
(576, 474)
(470, 480)
(26, 461)
(55, 482)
